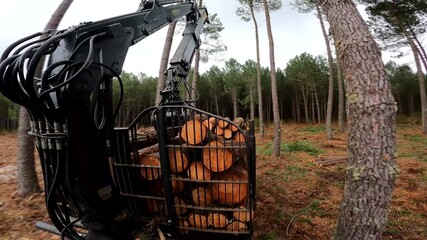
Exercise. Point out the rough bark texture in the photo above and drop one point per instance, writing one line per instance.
(258, 68)
(274, 97)
(27, 177)
(341, 108)
(26, 174)
(329, 133)
(371, 168)
(164, 61)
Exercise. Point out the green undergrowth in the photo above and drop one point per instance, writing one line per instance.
(301, 146)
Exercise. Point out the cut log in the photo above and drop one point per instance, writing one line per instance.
(180, 206)
(154, 206)
(201, 197)
(239, 121)
(178, 160)
(150, 166)
(193, 132)
(177, 185)
(198, 171)
(183, 225)
(216, 157)
(223, 123)
(231, 192)
(227, 133)
(219, 131)
(198, 221)
(244, 215)
(239, 137)
(148, 150)
(210, 123)
(217, 220)
(236, 226)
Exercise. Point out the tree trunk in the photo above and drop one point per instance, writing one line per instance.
(421, 80)
(274, 98)
(195, 69)
(371, 168)
(26, 174)
(164, 61)
(258, 68)
(329, 133)
(341, 109)
(252, 104)
(422, 51)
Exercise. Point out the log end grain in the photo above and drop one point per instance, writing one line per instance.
(202, 197)
(198, 221)
(178, 160)
(217, 220)
(233, 192)
(198, 171)
(193, 132)
(150, 166)
(216, 157)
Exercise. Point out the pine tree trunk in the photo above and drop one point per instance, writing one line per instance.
(422, 51)
(371, 167)
(341, 108)
(258, 68)
(26, 173)
(421, 80)
(329, 133)
(274, 98)
(164, 61)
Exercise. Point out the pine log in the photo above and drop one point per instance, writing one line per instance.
(227, 133)
(178, 160)
(148, 150)
(145, 137)
(233, 192)
(193, 132)
(210, 123)
(219, 131)
(150, 166)
(239, 137)
(223, 123)
(216, 157)
(201, 197)
(236, 226)
(177, 185)
(217, 220)
(239, 121)
(198, 221)
(198, 171)
(243, 216)
(182, 225)
(180, 210)
(154, 206)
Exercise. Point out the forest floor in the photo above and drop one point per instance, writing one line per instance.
(296, 198)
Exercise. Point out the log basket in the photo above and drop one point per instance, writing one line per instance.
(172, 167)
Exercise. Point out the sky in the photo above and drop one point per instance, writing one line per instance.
(293, 32)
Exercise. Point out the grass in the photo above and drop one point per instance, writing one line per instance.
(313, 129)
(417, 139)
(302, 146)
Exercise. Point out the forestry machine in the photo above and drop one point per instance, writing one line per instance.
(170, 174)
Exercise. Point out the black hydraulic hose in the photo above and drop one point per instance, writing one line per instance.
(15, 44)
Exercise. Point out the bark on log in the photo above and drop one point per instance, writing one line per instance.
(198, 171)
(150, 166)
(239, 121)
(178, 160)
(193, 132)
(148, 150)
(202, 197)
(217, 220)
(198, 221)
(216, 157)
(232, 192)
(145, 137)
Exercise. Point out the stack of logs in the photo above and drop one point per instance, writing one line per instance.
(208, 172)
